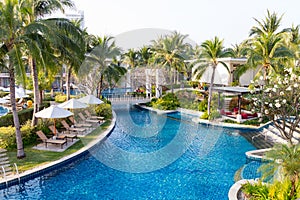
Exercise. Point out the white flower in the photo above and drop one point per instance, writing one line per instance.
(261, 78)
(289, 88)
(277, 105)
(281, 93)
(274, 89)
(266, 112)
(270, 105)
(277, 100)
(254, 99)
(267, 90)
(252, 81)
(266, 103)
(284, 101)
(279, 82)
(275, 86)
(255, 104)
(296, 85)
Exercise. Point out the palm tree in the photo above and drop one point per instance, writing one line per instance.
(10, 33)
(169, 52)
(98, 60)
(72, 49)
(267, 49)
(131, 58)
(283, 160)
(33, 11)
(212, 50)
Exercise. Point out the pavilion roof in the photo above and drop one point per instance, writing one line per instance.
(234, 90)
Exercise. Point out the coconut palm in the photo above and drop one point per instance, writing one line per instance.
(32, 11)
(10, 34)
(169, 52)
(97, 61)
(267, 50)
(211, 51)
(72, 49)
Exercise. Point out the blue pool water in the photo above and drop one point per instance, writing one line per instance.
(147, 156)
(3, 111)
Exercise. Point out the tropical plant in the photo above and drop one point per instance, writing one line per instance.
(280, 101)
(98, 63)
(283, 164)
(169, 52)
(212, 50)
(266, 49)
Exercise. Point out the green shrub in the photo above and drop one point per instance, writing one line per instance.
(8, 137)
(204, 115)
(104, 110)
(60, 98)
(24, 115)
(167, 102)
(214, 114)
(194, 84)
(203, 105)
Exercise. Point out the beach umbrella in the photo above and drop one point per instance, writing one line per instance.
(90, 99)
(53, 112)
(72, 104)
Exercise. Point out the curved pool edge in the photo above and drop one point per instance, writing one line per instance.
(43, 169)
(235, 188)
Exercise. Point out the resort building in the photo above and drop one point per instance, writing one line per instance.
(225, 78)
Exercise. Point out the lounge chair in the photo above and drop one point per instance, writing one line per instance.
(72, 119)
(86, 120)
(62, 135)
(72, 129)
(45, 140)
(88, 114)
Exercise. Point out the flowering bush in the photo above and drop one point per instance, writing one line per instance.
(279, 101)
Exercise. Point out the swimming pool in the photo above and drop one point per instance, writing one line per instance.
(3, 111)
(147, 156)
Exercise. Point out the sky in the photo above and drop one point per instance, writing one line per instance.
(201, 20)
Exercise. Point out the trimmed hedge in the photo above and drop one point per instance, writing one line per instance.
(24, 116)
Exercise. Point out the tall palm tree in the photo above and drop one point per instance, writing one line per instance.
(169, 52)
(267, 49)
(131, 58)
(98, 60)
(72, 51)
(10, 33)
(212, 50)
(33, 11)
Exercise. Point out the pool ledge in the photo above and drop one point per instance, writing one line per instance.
(235, 188)
(228, 125)
(38, 171)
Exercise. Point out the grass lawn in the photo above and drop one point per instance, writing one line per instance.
(36, 158)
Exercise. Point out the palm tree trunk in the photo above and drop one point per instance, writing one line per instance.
(20, 149)
(210, 89)
(68, 77)
(36, 92)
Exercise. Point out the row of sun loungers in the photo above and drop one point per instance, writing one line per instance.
(86, 124)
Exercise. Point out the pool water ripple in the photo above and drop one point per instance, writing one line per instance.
(209, 157)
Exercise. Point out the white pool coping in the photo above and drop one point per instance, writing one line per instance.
(235, 188)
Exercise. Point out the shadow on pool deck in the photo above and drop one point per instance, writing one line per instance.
(55, 147)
